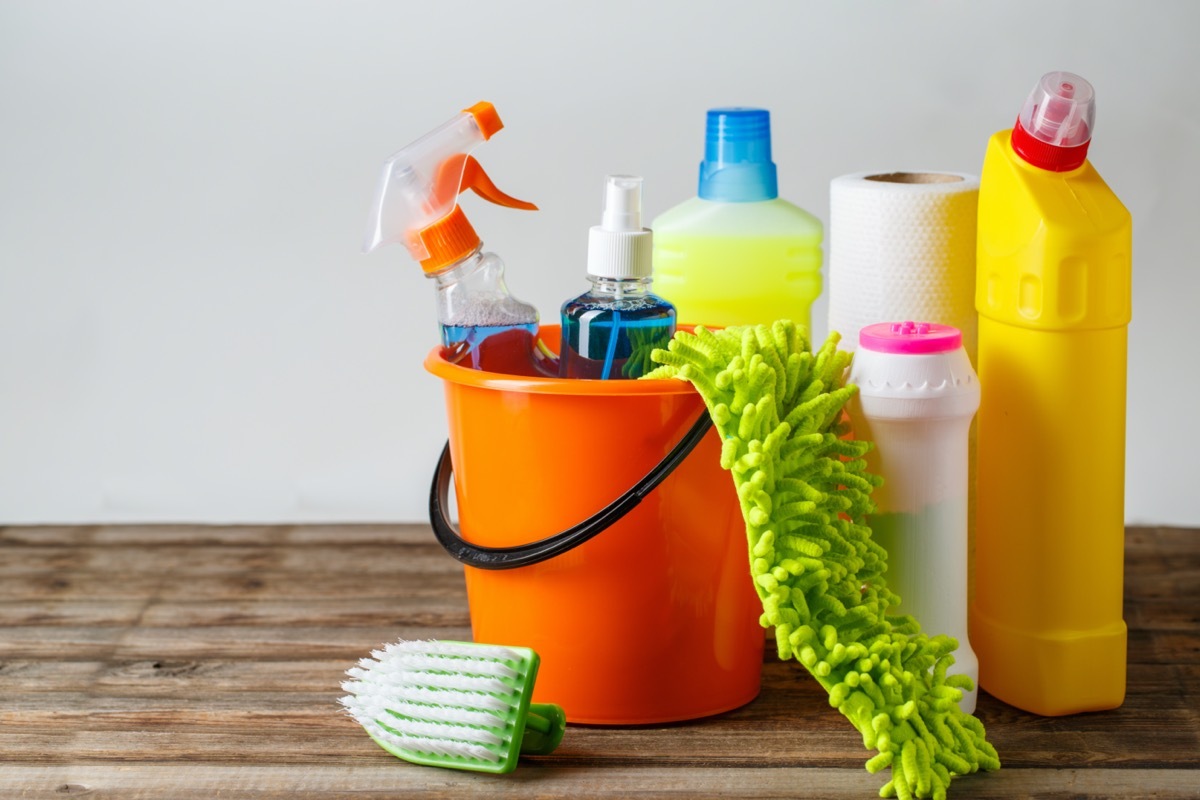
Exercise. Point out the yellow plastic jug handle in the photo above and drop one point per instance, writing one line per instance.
(524, 555)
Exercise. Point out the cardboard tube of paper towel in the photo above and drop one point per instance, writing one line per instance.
(902, 247)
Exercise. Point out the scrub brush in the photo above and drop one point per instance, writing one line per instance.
(453, 704)
(805, 493)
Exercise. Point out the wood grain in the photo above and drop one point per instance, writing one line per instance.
(189, 662)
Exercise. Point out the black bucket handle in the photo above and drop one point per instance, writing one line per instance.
(524, 555)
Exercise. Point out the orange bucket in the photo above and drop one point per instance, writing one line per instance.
(645, 617)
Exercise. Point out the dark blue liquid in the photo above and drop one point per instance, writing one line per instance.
(605, 338)
(508, 349)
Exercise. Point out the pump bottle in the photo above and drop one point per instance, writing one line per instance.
(738, 254)
(609, 331)
(483, 326)
(1053, 295)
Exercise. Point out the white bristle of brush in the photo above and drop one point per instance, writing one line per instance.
(440, 697)
(439, 680)
(454, 707)
(407, 738)
(435, 647)
(437, 747)
(434, 723)
(432, 697)
(394, 662)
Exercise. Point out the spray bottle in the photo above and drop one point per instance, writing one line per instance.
(1053, 295)
(610, 331)
(738, 254)
(483, 326)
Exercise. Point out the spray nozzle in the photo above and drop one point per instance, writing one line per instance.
(622, 203)
(1056, 122)
(417, 200)
(619, 247)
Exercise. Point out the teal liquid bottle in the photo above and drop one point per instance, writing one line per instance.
(609, 331)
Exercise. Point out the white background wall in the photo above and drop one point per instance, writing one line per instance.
(188, 330)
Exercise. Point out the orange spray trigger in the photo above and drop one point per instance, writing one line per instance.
(486, 118)
(418, 191)
(461, 172)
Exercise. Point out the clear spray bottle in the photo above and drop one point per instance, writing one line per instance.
(483, 326)
(610, 330)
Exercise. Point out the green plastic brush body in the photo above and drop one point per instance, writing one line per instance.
(454, 704)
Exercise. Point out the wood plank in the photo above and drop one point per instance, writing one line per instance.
(292, 585)
(206, 535)
(791, 727)
(182, 561)
(398, 609)
(1145, 581)
(304, 643)
(785, 685)
(150, 679)
(1160, 539)
(543, 778)
(1139, 540)
(216, 729)
(1167, 614)
(83, 613)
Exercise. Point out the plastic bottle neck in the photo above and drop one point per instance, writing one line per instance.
(737, 166)
(459, 269)
(1045, 156)
(619, 288)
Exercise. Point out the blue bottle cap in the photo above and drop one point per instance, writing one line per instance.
(737, 166)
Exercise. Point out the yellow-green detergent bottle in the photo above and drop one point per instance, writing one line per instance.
(1053, 295)
(738, 254)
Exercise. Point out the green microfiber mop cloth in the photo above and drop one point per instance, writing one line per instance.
(804, 494)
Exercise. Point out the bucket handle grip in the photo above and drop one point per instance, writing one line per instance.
(524, 555)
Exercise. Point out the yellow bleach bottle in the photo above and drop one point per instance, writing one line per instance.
(1053, 296)
(738, 254)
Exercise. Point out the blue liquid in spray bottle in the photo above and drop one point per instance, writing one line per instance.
(610, 331)
(483, 326)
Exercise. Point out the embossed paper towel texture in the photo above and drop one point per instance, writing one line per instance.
(902, 247)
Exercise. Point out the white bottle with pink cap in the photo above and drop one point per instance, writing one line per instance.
(916, 397)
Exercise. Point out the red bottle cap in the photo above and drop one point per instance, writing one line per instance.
(1055, 126)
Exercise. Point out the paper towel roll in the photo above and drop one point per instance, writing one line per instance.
(902, 247)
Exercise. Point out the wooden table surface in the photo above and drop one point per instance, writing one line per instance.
(205, 662)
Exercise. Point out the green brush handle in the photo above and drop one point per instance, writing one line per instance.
(545, 725)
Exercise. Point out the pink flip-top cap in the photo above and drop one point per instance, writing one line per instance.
(912, 338)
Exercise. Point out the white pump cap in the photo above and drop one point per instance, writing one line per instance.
(619, 247)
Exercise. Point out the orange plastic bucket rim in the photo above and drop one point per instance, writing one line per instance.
(436, 363)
